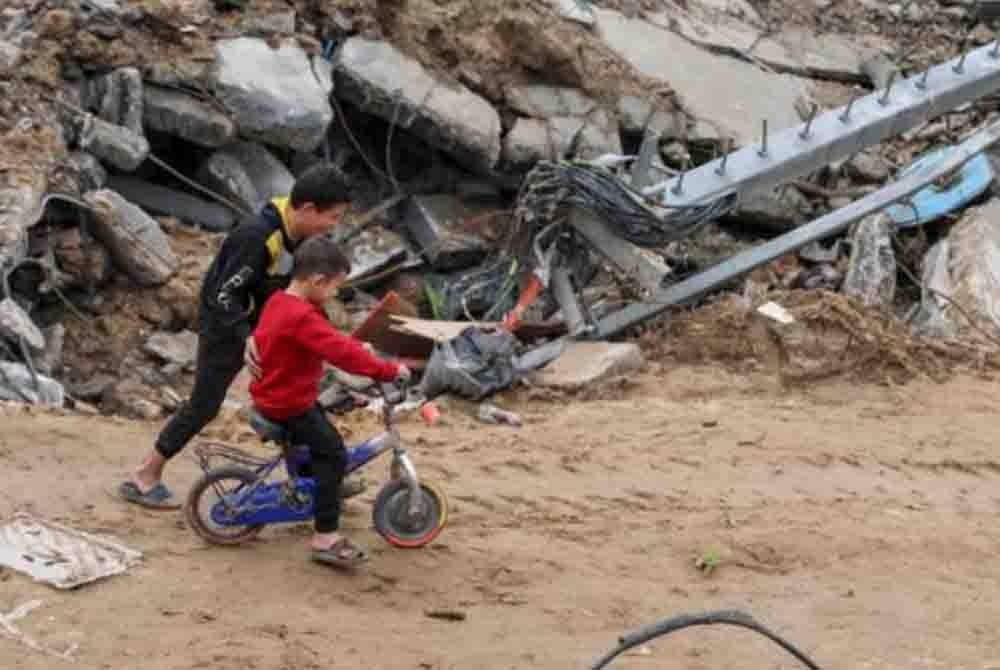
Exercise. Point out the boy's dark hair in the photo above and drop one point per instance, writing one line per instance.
(322, 185)
(320, 256)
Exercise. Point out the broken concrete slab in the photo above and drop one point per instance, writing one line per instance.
(118, 98)
(585, 363)
(438, 226)
(20, 209)
(181, 348)
(273, 94)
(16, 324)
(18, 384)
(165, 201)
(246, 173)
(449, 117)
(115, 145)
(791, 50)
(373, 250)
(732, 95)
(544, 102)
(135, 240)
(871, 273)
(176, 113)
(965, 269)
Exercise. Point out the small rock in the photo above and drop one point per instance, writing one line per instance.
(15, 323)
(93, 389)
(57, 23)
(180, 348)
(668, 125)
(868, 167)
(584, 363)
(633, 114)
(10, 57)
(135, 240)
(871, 274)
(90, 174)
(17, 384)
(281, 23)
(50, 362)
(119, 98)
(675, 153)
(599, 136)
(526, 143)
(115, 145)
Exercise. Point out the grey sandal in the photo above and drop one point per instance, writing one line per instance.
(343, 554)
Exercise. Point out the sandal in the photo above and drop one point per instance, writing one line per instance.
(158, 498)
(343, 554)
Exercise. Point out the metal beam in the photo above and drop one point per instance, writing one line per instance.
(644, 267)
(834, 222)
(840, 133)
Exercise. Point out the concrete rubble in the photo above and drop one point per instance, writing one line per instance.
(871, 274)
(382, 81)
(250, 98)
(272, 94)
(730, 95)
(135, 240)
(246, 173)
(175, 113)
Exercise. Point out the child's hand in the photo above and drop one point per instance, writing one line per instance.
(252, 359)
(403, 376)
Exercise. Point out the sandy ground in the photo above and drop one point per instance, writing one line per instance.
(858, 521)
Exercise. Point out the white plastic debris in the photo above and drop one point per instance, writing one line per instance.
(576, 10)
(776, 312)
(58, 555)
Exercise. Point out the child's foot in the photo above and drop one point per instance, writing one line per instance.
(338, 552)
(351, 487)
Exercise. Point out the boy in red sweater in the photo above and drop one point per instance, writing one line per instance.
(291, 342)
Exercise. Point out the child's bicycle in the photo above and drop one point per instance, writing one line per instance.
(231, 503)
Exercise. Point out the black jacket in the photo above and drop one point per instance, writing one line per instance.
(255, 261)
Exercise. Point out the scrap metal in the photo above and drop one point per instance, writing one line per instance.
(795, 152)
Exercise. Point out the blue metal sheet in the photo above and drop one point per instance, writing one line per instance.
(937, 200)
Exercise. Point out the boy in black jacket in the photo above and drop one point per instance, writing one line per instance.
(255, 261)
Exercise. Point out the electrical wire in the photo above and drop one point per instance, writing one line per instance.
(550, 185)
(674, 624)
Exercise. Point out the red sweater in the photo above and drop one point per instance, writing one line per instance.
(293, 340)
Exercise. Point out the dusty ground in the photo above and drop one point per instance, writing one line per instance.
(860, 521)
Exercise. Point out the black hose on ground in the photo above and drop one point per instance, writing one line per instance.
(674, 624)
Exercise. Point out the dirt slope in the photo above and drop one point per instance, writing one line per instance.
(859, 521)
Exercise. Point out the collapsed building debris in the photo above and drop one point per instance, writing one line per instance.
(596, 239)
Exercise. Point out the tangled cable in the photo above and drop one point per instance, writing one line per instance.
(674, 624)
(552, 185)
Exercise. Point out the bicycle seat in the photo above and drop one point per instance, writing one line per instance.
(267, 430)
